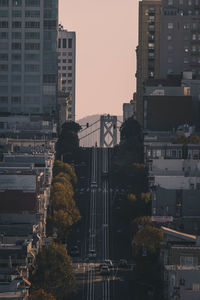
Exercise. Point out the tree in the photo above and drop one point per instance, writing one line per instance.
(149, 237)
(41, 295)
(60, 167)
(68, 142)
(53, 272)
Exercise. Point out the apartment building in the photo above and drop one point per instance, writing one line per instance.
(148, 50)
(67, 68)
(28, 56)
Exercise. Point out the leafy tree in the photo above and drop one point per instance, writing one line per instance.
(192, 139)
(41, 295)
(60, 167)
(68, 142)
(53, 272)
(149, 237)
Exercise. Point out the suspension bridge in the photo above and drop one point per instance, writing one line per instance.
(103, 132)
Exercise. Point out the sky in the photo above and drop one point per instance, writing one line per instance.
(106, 39)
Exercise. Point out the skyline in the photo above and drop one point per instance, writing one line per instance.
(106, 60)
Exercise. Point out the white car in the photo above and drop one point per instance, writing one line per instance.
(92, 254)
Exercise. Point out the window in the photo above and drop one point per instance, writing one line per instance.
(16, 89)
(16, 13)
(16, 56)
(16, 35)
(170, 48)
(194, 48)
(64, 81)
(16, 68)
(32, 24)
(32, 13)
(64, 61)
(186, 49)
(186, 26)
(186, 38)
(16, 46)
(29, 89)
(188, 260)
(194, 37)
(32, 46)
(64, 54)
(69, 74)
(170, 25)
(49, 78)
(16, 24)
(3, 99)
(64, 68)
(3, 3)
(170, 60)
(69, 68)
(189, 2)
(69, 43)
(70, 54)
(3, 46)
(32, 35)
(59, 43)
(3, 24)
(32, 3)
(3, 13)
(64, 43)
(3, 78)
(4, 89)
(15, 100)
(169, 37)
(17, 2)
(33, 57)
(50, 24)
(32, 79)
(32, 68)
(16, 78)
(69, 61)
(186, 60)
(3, 35)
(69, 81)
(170, 2)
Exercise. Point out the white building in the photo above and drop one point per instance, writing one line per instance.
(67, 66)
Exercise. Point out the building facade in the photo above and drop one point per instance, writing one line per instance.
(67, 67)
(148, 50)
(28, 56)
(180, 37)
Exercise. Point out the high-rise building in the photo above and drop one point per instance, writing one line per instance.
(28, 56)
(67, 67)
(148, 50)
(180, 37)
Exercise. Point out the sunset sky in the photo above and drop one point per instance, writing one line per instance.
(106, 36)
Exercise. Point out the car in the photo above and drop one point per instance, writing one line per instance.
(92, 254)
(123, 263)
(108, 262)
(105, 270)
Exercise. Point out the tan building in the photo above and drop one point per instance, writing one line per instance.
(148, 50)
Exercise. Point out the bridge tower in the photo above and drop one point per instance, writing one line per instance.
(108, 131)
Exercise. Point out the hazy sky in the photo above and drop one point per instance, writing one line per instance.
(106, 36)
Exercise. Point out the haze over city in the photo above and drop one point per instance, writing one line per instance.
(106, 33)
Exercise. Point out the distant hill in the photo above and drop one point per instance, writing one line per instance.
(89, 141)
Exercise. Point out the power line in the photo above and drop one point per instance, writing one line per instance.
(89, 126)
(89, 133)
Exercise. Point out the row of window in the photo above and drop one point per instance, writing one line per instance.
(186, 49)
(17, 57)
(65, 43)
(193, 26)
(18, 13)
(65, 68)
(185, 60)
(66, 81)
(182, 2)
(18, 68)
(18, 3)
(194, 37)
(18, 35)
(16, 24)
(27, 46)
